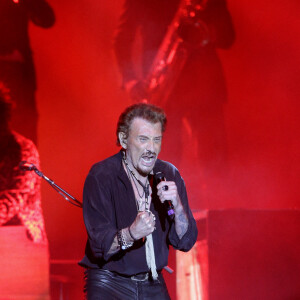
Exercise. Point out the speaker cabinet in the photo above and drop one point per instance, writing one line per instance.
(242, 255)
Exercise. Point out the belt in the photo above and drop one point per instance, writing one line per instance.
(140, 277)
(136, 277)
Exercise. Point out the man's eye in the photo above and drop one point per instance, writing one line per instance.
(143, 139)
(157, 140)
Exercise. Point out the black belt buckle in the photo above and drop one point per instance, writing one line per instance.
(140, 277)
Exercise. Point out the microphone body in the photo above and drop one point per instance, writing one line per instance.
(159, 176)
(26, 166)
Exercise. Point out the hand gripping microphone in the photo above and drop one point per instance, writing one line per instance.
(159, 176)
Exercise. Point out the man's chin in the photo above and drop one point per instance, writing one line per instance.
(145, 170)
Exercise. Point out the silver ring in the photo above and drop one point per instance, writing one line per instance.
(165, 188)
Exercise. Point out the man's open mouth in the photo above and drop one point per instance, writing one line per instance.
(148, 159)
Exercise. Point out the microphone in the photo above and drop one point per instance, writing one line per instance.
(26, 166)
(159, 176)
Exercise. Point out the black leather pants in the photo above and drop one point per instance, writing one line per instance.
(106, 285)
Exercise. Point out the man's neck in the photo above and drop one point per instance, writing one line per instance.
(142, 177)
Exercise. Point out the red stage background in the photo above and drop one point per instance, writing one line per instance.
(79, 100)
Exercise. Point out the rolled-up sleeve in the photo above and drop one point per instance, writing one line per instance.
(98, 216)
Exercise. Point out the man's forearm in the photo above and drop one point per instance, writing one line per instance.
(181, 221)
(114, 246)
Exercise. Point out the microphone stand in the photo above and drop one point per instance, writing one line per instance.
(57, 188)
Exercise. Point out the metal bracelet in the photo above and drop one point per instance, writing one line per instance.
(122, 240)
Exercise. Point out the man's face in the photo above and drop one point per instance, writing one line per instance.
(143, 145)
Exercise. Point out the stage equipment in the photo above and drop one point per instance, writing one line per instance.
(25, 166)
(242, 254)
(24, 266)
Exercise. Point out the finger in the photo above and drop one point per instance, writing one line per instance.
(161, 184)
(149, 221)
(153, 221)
(168, 183)
(143, 214)
(165, 188)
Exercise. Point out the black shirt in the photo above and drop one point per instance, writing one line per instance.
(109, 205)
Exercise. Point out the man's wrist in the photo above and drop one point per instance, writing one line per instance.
(178, 209)
(177, 205)
(131, 235)
(123, 240)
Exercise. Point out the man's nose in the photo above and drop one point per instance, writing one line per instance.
(151, 146)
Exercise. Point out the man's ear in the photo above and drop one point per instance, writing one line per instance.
(123, 140)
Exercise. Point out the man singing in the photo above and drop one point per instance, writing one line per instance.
(135, 206)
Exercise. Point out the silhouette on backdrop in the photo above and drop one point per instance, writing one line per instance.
(197, 93)
(16, 60)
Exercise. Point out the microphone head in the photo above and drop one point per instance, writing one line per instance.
(159, 176)
(26, 166)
